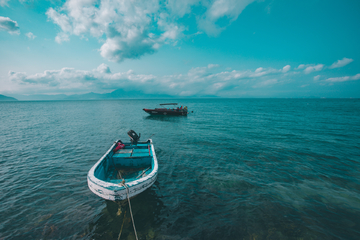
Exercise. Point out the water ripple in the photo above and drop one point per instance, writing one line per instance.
(234, 169)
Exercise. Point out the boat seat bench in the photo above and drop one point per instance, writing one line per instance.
(135, 153)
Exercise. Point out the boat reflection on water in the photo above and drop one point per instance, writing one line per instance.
(163, 118)
(115, 217)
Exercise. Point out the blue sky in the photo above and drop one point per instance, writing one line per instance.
(226, 48)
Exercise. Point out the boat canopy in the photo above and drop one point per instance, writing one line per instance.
(168, 104)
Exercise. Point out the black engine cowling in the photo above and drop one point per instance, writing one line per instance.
(133, 136)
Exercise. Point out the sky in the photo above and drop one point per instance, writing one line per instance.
(188, 48)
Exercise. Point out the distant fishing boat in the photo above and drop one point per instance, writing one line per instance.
(125, 170)
(179, 111)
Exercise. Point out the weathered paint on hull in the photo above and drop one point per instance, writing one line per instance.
(120, 194)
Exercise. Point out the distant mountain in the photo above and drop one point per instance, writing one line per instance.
(5, 98)
(86, 96)
(121, 93)
(42, 97)
(117, 94)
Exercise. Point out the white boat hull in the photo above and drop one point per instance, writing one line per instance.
(116, 191)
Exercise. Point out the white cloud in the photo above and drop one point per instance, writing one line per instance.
(103, 68)
(9, 25)
(134, 28)
(71, 80)
(62, 37)
(4, 3)
(125, 24)
(266, 83)
(338, 79)
(343, 79)
(227, 10)
(301, 66)
(207, 80)
(262, 72)
(30, 35)
(309, 68)
(356, 77)
(180, 8)
(116, 50)
(197, 81)
(213, 66)
(60, 19)
(341, 63)
(317, 77)
(313, 68)
(286, 68)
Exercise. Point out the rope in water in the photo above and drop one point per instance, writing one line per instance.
(122, 225)
(127, 194)
(132, 218)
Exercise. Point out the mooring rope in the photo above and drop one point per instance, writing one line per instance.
(122, 225)
(132, 218)
(141, 174)
(127, 194)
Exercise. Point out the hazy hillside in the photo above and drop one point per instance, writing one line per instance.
(117, 94)
(5, 98)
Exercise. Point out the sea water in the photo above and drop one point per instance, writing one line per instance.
(232, 169)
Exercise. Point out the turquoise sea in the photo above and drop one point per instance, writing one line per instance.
(232, 169)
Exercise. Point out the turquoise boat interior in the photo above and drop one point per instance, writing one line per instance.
(129, 163)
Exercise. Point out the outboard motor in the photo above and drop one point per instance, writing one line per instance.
(134, 137)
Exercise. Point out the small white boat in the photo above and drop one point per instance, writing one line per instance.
(125, 172)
